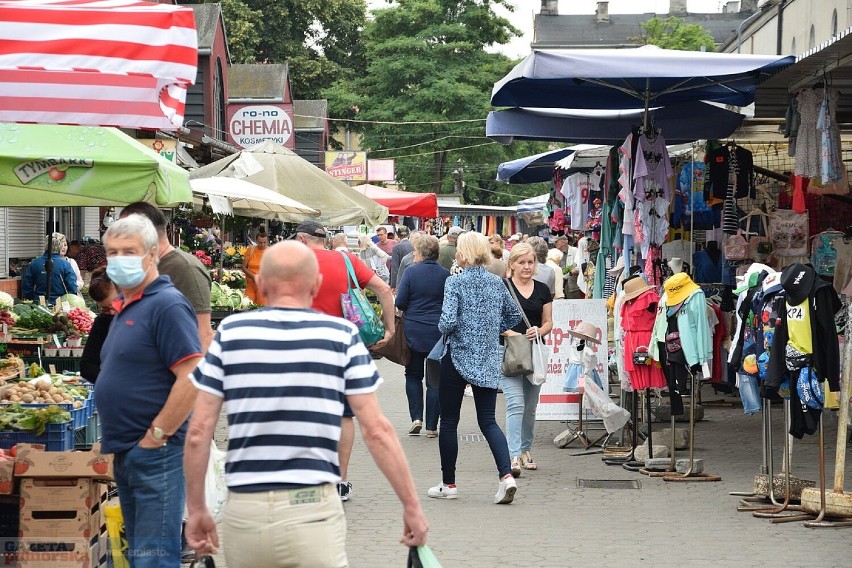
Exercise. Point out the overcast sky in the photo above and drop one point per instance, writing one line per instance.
(525, 10)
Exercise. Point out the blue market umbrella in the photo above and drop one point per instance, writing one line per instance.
(627, 78)
(536, 168)
(685, 122)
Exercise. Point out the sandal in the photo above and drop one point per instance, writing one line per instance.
(527, 461)
(516, 466)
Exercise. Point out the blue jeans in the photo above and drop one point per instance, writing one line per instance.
(451, 394)
(414, 373)
(151, 491)
(521, 402)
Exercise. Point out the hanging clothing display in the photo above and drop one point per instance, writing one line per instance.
(808, 137)
(716, 182)
(576, 190)
(831, 160)
(693, 327)
(638, 312)
(652, 170)
(707, 264)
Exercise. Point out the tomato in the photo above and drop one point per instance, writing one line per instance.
(13, 451)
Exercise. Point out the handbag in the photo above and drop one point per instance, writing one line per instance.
(397, 349)
(422, 557)
(641, 356)
(518, 352)
(759, 243)
(673, 344)
(433, 362)
(357, 309)
(736, 246)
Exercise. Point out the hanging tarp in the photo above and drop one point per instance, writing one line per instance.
(679, 123)
(406, 203)
(630, 78)
(120, 63)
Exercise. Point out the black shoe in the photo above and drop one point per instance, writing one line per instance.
(344, 489)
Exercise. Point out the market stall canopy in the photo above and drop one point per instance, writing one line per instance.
(621, 78)
(679, 123)
(121, 63)
(536, 168)
(251, 200)
(531, 209)
(275, 167)
(401, 202)
(48, 165)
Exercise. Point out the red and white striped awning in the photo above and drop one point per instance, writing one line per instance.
(121, 63)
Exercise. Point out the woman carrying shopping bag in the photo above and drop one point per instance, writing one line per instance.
(521, 393)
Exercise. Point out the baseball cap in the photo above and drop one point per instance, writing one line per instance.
(455, 231)
(515, 237)
(311, 228)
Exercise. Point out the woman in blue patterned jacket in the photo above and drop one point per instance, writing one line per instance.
(477, 308)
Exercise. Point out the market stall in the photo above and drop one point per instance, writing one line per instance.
(404, 203)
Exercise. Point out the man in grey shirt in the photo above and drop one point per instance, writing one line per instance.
(402, 248)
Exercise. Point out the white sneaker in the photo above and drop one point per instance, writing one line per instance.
(416, 426)
(506, 491)
(431, 433)
(442, 491)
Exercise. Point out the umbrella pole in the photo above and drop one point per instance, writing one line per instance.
(221, 251)
(48, 252)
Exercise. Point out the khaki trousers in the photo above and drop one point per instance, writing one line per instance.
(285, 529)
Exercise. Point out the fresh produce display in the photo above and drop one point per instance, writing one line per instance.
(73, 300)
(7, 317)
(17, 417)
(33, 317)
(6, 301)
(34, 370)
(44, 392)
(223, 296)
(81, 319)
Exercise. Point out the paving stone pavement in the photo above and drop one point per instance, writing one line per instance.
(555, 524)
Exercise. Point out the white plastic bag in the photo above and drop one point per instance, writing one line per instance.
(215, 490)
(540, 356)
(614, 417)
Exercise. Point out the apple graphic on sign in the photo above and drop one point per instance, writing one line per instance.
(56, 174)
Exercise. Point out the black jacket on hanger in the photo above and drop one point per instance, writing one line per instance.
(716, 183)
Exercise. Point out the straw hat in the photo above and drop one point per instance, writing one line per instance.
(678, 288)
(635, 287)
(587, 331)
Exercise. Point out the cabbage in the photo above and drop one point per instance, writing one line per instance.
(74, 301)
(220, 296)
(6, 301)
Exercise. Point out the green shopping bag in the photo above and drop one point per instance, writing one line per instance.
(422, 557)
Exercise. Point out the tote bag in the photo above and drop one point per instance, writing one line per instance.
(397, 349)
(789, 232)
(357, 309)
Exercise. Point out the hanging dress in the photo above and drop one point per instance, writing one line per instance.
(637, 321)
(808, 139)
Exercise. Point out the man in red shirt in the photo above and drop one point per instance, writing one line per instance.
(334, 283)
(385, 243)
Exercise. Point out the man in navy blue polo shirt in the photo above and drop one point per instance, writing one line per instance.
(144, 395)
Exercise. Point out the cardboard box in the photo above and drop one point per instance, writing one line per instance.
(55, 553)
(32, 461)
(52, 494)
(7, 481)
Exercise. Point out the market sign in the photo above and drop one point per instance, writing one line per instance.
(351, 166)
(165, 148)
(380, 170)
(249, 125)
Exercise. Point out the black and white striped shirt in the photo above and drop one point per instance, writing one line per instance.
(283, 374)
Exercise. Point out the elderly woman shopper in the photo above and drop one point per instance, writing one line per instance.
(477, 308)
(521, 394)
(554, 257)
(420, 295)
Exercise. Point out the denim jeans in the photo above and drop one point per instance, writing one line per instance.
(521, 402)
(151, 492)
(749, 393)
(451, 395)
(414, 373)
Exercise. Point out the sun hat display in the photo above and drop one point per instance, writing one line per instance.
(678, 288)
(635, 287)
(587, 331)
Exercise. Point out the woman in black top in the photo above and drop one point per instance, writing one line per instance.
(521, 395)
(101, 290)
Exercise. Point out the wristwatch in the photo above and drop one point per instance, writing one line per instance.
(159, 434)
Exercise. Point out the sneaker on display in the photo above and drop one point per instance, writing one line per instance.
(442, 491)
(344, 489)
(506, 491)
(416, 426)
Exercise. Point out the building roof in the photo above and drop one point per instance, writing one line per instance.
(310, 114)
(206, 19)
(584, 31)
(260, 81)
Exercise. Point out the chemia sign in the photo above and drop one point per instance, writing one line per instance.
(254, 124)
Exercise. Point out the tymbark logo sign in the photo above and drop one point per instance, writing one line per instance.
(55, 167)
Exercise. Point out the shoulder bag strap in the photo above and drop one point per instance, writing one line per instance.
(351, 280)
(511, 287)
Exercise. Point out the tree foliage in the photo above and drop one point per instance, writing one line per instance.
(675, 33)
(319, 39)
(427, 64)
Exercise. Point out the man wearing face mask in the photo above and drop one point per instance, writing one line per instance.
(144, 393)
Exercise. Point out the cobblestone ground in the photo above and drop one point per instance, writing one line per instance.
(553, 523)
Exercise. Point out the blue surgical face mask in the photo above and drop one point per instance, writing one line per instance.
(125, 271)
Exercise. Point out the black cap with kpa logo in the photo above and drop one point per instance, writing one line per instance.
(798, 281)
